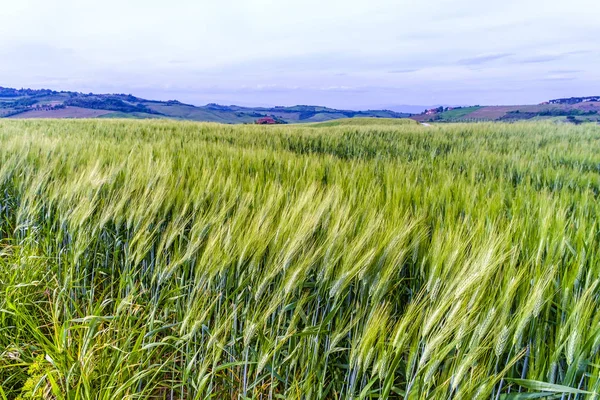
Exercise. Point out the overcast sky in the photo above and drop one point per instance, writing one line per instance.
(340, 53)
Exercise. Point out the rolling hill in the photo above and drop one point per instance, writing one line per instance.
(364, 122)
(576, 109)
(29, 103)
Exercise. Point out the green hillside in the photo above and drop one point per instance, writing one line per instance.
(577, 112)
(364, 122)
(27, 103)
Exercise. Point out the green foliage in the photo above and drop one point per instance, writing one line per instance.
(113, 103)
(164, 260)
(35, 386)
(457, 113)
(135, 115)
(555, 112)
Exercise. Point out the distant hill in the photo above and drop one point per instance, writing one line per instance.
(575, 100)
(45, 103)
(574, 109)
(364, 122)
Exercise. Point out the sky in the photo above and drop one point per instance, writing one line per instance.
(356, 54)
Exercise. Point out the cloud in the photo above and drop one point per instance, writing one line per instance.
(179, 62)
(543, 58)
(341, 89)
(485, 58)
(333, 52)
(38, 53)
(565, 71)
(558, 78)
(577, 52)
(403, 71)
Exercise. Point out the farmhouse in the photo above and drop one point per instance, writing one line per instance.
(266, 121)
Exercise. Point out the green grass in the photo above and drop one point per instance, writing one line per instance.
(364, 122)
(183, 111)
(456, 114)
(172, 260)
(121, 115)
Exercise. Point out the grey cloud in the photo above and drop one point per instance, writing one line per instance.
(577, 52)
(558, 78)
(443, 52)
(482, 59)
(343, 89)
(565, 71)
(37, 50)
(180, 62)
(404, 71)
(543, 59)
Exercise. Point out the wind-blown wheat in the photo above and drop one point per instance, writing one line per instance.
(172, 260)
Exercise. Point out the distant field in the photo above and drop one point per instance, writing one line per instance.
(26, 101)
(491, 113)
(113, 115)
(364, 122)
(459, 113)
(69, 112)
(183, 111)
(369, 259)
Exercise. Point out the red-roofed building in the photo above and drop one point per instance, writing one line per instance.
(266, 121)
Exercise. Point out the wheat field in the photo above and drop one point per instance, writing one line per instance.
(172, 260)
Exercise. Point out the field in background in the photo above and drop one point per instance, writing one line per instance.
(364, 122)
(68, 112)
(579, 112)
(171, 260)
(44, 103)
